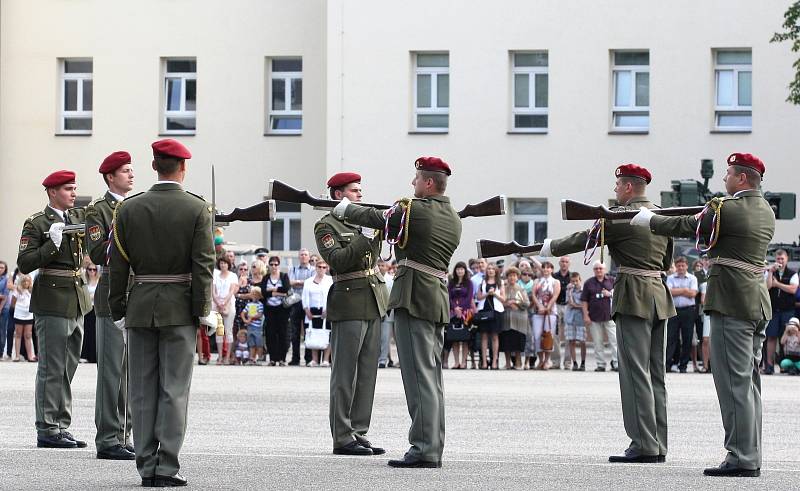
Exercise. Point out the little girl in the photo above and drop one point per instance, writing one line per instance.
(242, 350)
(791, 347)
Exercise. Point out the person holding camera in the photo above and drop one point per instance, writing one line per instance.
(596, 300)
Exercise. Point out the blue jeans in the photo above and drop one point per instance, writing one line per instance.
(6, 332)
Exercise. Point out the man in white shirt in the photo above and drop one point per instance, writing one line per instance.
(683, 287)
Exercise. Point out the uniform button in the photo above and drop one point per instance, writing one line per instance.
(74, 253)
(76, 282)
(54, 284)
(347, 289)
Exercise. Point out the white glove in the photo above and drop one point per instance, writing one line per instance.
(642, 219)
(368, 232)
(120, 324)
(56, 233)
(338, 211)
(210, 320)
(546, 252)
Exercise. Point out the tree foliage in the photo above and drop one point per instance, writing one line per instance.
(791, 24)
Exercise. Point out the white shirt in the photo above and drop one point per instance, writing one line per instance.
(687, 281)
(21, 308)
(315, 295)
(58, 212)
(222, 286)
(116, 196)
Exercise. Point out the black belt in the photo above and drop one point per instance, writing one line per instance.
(687, 307)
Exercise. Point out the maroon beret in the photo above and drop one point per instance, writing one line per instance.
(58, 178)
(170, 148)
(434, 164)
(114, 162)
(747, 160)
(343, 179)
(633, 170)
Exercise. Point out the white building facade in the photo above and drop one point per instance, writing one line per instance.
(536, 100)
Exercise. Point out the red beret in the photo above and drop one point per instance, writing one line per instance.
(343, 179)
(170, 148)
(633, 170)
(114, 162)
(434, 164)
(58, 178)
(747, 160)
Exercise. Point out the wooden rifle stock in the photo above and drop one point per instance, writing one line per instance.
(283, 192)
(491, 248)
(575, 210)
(261, 212)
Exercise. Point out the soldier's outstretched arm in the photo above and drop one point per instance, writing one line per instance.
(569, 244)
(340, 257)
(120, 269)
(363, 215)
(684, 226)
(202, 263)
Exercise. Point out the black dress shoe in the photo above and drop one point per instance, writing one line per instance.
(409, 461)
(352, 448)
(632, 456)
(728, 470)
(55, 441)
(365, 443)
(169, 481)
(129, 448)
(117, 452)
(600, 369)
(148, 482)
(614, 366)
(78, 443)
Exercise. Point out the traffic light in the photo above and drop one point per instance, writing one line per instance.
(783, 204)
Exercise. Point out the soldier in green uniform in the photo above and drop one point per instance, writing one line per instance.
(59, 302)
(356, 303)
(111, 397)
(641, 305)
(164, 235)
(738, 229)
(426, 231)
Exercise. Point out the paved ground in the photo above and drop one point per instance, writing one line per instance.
(260, 427)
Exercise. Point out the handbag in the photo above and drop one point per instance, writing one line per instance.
(456, 332)
(483, 316)
(291, 299)
(547, 336)
(317, 338)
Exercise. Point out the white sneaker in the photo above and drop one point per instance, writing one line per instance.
(325, 364)
(313, 364)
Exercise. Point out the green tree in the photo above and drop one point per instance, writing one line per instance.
(791, 24)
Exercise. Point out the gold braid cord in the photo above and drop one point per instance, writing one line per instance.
(405, 202)
(716, 206)
(116, 235)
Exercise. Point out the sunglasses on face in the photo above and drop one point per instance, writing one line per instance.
(91, 269)
(274, 264)
(322, 267)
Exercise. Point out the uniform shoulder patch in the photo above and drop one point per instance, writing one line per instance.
(95, 233)
(23, 243)
(327, 241)
(96, 200)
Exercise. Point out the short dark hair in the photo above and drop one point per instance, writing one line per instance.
(681, 259)
(781, 252)
(275, 258)
(105, 179)
(166, 165)
(222, 258)
(752, 175)
(439, 179)
(333, 191)
(547, 264)
(637, 183)
(574, 275)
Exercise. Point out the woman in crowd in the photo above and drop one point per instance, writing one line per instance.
(315, 300)
(239, 297)
(275, 286)
(545, 292)
(6, 289)
(23, 318)
(575, 331)
(517, 324)
(462, 305)
(490, 299)
(226, 284)
(91, 277)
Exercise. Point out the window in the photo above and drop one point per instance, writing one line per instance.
(431, 92)
(76, 96)
(283, 233)
(630, 109)
(733, 82)
(530, 220)
(530, 84)
(180, 96)
(285, 96)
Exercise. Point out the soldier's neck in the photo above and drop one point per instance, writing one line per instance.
(170, 178)
(634, 198)
(57, 207)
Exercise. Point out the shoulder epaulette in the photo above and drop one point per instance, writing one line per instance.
(36, 215)
(132, 196)
(196, 195)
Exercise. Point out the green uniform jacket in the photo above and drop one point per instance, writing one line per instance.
(54, 295)
(99, 215)
(747, 225)
(434, 231)
(164, 231)
(346, 250)
(633, 247)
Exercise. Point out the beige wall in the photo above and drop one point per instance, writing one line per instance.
(357, 97)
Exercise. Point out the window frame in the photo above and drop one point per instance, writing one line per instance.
(286, 217)
(531, 109)
(182, 112)
(633, 109)
(433, 109)
(530, 219)
(736, 109)
(287, 81)
(80, 78)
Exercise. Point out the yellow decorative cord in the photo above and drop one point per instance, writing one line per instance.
(407, 219)
(116, 235)
(716, 205)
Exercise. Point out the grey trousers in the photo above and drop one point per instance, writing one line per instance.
(160, 377)
(60, 340)
(419, 348)
(387, 326)
(354, 367)
(112, 386)
(735, 354)
(642, 351)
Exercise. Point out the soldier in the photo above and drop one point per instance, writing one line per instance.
(59, 302)
(356, 303)
(428, 231)
(164, 235)
(111, 397)
(737, 300)
(641, 305)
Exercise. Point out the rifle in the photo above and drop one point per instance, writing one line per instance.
(75, 228)
(575, 210)
(491, 248)
(283, 192)
(262, 212)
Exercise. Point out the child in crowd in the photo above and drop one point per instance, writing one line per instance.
(575, 331)
(791, 347)
(253, 317)
(242, 350)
